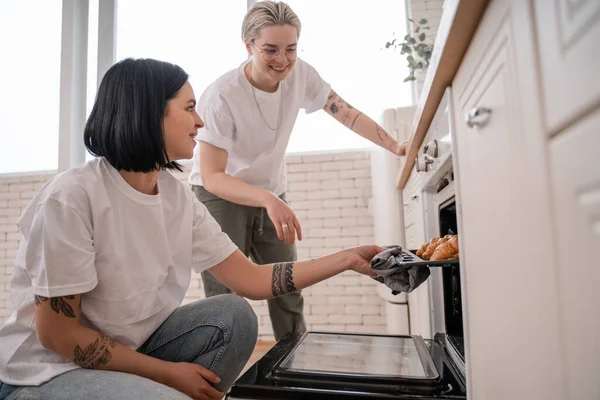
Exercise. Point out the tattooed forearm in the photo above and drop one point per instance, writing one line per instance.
(58, 304)
(95, 355)
(380, 133)
(282, 281)
(353, 121)
(390, 146)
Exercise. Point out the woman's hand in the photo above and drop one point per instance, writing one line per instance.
(284, 219)
(192, 380)
(400, 148)
(360, 258)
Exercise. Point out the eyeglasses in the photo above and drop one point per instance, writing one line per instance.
(270, 54)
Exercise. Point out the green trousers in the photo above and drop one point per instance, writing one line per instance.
(253, 232)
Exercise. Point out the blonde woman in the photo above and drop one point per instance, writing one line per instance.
(238, 170)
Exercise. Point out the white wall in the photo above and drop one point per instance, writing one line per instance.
(330, 194)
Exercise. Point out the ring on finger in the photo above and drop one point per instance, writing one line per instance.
(284, 226)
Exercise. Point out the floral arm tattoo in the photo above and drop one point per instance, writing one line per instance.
(96, 354)
(58, 304)
(282, 281)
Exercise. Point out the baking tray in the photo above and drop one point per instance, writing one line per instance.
(410, 259)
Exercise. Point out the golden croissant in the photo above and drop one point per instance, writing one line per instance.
(447, 250)
(432, 247)
(426, 245)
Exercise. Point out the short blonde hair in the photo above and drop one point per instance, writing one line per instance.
(268, 13)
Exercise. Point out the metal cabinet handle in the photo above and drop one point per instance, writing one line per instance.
(431, 148)
(414, 196)
(421, 164)
(478, 116)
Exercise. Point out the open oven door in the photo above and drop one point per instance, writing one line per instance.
(332, 365)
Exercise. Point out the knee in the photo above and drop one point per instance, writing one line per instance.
(243, 314)
(243, 322)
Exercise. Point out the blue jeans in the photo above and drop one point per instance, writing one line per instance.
(218, 333)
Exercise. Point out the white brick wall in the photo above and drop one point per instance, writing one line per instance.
(330, 194)
(431, 10)
(15, 193)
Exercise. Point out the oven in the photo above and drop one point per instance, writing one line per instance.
(441, 216)
(336, 365)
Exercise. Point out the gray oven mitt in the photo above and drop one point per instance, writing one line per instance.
(395, 275)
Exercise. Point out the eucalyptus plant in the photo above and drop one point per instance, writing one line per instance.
(413, 45)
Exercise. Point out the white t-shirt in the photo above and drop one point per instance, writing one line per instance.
(233, 122)
(130, 254)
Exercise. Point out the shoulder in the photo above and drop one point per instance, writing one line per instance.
(72, 190)
(303, 75)
(74, 185)
(303, 69)
(228, 87)
(174, 190)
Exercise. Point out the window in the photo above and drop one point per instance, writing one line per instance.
(202, 37)
(30, 43)
(344, 40)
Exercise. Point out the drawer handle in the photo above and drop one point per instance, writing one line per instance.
(479, 117)
(414, 196)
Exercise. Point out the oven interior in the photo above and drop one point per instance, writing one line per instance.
(451, 283)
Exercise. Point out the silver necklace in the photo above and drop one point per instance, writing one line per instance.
(260, 111)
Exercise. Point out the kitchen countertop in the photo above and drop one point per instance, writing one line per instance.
(457, 27)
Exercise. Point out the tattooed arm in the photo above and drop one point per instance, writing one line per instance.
(57, 323)
(59, 329)
(258, 282)
(361, 124)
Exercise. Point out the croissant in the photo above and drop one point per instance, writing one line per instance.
(426, 245)
(422, 249)
(447, 250)
(432, 247)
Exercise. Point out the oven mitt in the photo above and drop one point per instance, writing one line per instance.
(395, 275)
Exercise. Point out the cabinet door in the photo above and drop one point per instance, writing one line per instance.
(418, 300)
(576, 191)
(507, 268)
(569, 58)
(413, 212)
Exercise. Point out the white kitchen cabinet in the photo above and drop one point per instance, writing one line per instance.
(576, 193)
(413, 212)
(508, 268)
(568, 32)
(418, 300)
